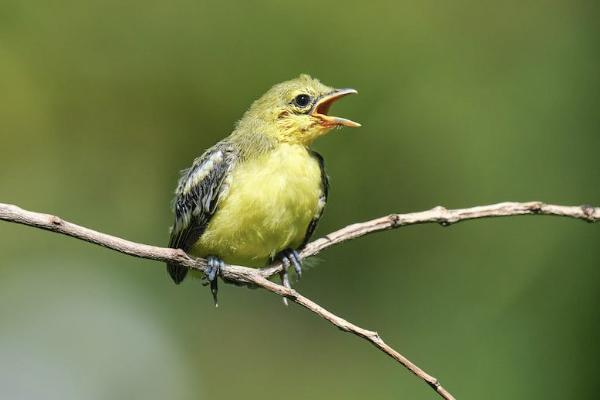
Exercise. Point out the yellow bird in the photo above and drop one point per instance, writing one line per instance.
(257, 195)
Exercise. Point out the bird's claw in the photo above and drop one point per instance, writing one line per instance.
(289, 257)
(214, 265)
(294, 257)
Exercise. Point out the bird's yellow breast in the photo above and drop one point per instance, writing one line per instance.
(268, 204)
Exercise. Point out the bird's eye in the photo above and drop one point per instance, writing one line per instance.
(302, 100)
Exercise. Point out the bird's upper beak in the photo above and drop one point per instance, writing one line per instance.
(321, 108)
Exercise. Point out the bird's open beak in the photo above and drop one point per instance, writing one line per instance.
(321, 108)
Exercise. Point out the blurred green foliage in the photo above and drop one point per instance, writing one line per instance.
(462, 103)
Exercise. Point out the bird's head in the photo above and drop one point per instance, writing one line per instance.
(296, 111)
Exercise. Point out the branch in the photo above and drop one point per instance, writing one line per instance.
(444, 217)
(259, 277)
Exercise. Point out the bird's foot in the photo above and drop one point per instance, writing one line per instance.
(289, 257)
(214, 265)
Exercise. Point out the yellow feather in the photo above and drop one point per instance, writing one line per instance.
(267, 207)
(269, 186)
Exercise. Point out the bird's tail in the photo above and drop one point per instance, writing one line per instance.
(177, 272)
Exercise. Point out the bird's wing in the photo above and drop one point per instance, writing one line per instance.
(322, 199)
(196, 198)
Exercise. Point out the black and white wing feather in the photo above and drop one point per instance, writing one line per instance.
(322, 199)
(196, 199)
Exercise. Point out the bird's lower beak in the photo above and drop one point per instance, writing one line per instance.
(321, 108)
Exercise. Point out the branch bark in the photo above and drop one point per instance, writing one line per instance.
(260, 277)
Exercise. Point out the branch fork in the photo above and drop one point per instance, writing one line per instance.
(260, 277)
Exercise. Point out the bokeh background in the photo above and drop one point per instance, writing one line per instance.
(462, 103)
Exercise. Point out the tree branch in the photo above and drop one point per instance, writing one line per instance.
(259, 277)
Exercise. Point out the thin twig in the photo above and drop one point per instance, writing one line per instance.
(444, 217)
(259, 277)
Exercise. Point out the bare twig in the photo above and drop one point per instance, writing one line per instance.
(444, 217)
(259, 277)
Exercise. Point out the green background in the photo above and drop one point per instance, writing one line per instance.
(462, 103)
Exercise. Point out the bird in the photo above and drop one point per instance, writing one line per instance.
(256, 196)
